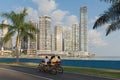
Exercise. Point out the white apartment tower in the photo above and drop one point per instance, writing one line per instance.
(58, 38)
(52, 42)
(68, 39)
(84, 30)
(75, 37)
(45, 34)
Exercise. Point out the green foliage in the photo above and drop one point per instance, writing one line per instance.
(110, 16)
(19, 26)
(111, 1)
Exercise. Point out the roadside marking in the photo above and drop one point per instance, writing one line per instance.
(28, 74)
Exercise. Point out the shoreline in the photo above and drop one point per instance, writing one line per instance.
(111, 58)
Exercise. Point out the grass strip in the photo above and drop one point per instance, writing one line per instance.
(93, 71)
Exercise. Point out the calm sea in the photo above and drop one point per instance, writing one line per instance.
(103, 58)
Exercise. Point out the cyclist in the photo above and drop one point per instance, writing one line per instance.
(46, 60)
(58, 60)
(53, 60)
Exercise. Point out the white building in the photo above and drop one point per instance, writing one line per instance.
(75, 37)
(52, 42)
(84, 31)
(68, 40)
(58, 38)
(45, 35)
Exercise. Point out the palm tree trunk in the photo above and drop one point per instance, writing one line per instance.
(17, 55)
(18, 49)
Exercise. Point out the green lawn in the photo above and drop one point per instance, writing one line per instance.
(89, 71)
(93, 71)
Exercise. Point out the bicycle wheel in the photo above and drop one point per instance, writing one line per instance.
(53, 71)
(59, 69)
(38, 68)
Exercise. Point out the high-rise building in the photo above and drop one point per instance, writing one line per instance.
(68, 39)
(58, 38)
(8, 44)
(84, 30)
(75, 37)
(52, 42)
(32, 44)
(45, 35)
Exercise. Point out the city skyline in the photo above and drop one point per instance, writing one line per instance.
(67, 42)
(61, 12)
(43, 43)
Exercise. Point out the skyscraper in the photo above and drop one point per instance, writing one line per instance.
(84, 30)
(45, 34)
(75, 37)
(68, 39)
(53, 42)
(58, 38)
(32, 44)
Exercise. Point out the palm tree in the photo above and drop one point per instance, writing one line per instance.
(18, 27)
(110, 16)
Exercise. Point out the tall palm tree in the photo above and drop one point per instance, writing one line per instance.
(18, 27)
(110, 16)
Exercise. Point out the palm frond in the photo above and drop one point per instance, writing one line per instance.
(101, 20)
(113, 27)
(114, 10)
(111, 1)
(4, 26)
(22, 15)
(12, 28)
(11, 16)
(28, 35)
(112, 15)
(31, 27)
(31, 36)
(8, 36)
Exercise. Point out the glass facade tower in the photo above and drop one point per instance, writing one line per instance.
(83, 29)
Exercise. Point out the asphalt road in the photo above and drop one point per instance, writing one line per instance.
(25, 73)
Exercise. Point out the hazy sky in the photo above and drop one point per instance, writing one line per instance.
(67, 12)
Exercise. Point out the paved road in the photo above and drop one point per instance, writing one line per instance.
(8, 74)
(25, 73)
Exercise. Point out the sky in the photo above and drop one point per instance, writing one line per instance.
(67, 12)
